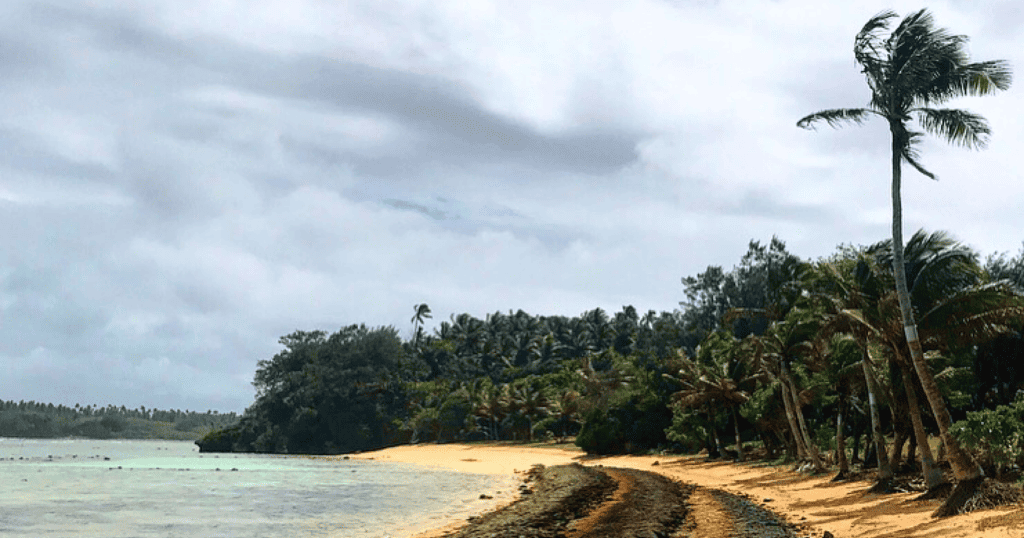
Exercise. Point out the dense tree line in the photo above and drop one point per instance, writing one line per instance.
(778, 353)
(45, 420)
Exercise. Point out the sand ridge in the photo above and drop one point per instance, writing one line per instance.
(816, 503)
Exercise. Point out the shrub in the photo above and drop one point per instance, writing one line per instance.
(996, 436)
(220, 440)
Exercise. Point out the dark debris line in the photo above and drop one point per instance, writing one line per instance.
(655, 507)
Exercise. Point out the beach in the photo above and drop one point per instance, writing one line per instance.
(814, 504)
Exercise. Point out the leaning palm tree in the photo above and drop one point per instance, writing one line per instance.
(720, 376)
(908, 71)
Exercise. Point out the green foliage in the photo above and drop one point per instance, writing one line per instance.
(762, 285)
(329, 393)
(222, 440)
(607, 378)
(996, 436)
(690, 429)
(626, 406)
(31, 419)
(440, 410)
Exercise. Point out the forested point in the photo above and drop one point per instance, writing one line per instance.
(48, 421)
(779, 358)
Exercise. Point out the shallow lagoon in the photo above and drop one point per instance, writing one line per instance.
(84, 487)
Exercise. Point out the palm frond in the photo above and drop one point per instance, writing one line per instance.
(939, 262)
(983, 78)
(835, 117)
(931, 65)
(956, 126)
(929, 61)
(911, 155)
(869, 49)
(943, 274)
(952, 372)
(964, 78)
(867, 34)
(858, 323)
(974, 315)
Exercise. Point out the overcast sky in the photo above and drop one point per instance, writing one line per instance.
(183, 182)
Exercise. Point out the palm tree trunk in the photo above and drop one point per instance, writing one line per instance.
(884, 471)
(932, 474)
(801, 450)
(812, 450)
(714, 434)
(964, 465)
(855, 457)
(844, 464)
(739, 440)
(899, 440)
(912, 450)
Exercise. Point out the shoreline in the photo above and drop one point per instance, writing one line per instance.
(843, 508)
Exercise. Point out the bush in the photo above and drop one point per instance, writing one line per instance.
(220, 440)
(601, 434)
(636, 425)
(689, 430)
(626, 407)
(996, 436)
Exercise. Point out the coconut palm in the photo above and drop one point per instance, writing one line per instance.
(958, 309)
(914, 67)
(843, 288)
(422, 311)
(719, 376)
(784, 343)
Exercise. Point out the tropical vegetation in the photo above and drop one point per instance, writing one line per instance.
(44, 420)
(784, 356)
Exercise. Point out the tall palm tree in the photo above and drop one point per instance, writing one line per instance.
(957, 309)
(915, 66)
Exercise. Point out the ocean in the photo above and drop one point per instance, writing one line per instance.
(127, 488)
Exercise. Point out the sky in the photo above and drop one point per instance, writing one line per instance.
(183, 182)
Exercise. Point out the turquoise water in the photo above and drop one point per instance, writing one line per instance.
(91, 488)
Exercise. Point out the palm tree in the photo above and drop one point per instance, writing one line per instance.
(958, 309)
(783, 343)
(729, 377)
(839, 291)
(422, 312)
(916, 66)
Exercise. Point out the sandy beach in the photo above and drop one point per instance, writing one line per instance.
(844, 509)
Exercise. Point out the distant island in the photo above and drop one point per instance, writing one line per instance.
(47, 421)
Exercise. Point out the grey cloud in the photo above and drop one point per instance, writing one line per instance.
(765, 204)
(22, 59)
(454, 127)
(430, 212)
(25, 152)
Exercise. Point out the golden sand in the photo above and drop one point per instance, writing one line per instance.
(844, 509)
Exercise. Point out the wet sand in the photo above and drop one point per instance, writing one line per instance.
(816, 504)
